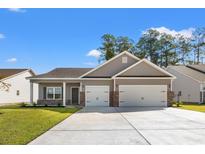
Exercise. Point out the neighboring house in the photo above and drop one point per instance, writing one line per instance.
(124, 80)
(190, 81)
(14, 87)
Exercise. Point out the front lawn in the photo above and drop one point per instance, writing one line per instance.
(194, 107)
(20, 125)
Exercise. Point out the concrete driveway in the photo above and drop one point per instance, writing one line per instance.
(109, 126)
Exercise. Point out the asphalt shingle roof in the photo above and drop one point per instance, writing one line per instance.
(199, 67)
(189, 72)
(64, 73)
(4, 73)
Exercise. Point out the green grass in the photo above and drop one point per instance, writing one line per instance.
(193, 107)
(20, 125)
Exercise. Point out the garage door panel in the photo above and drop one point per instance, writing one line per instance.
(97, 95)
(142, 95)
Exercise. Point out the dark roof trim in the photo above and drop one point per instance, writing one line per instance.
(195, 69)
(143, 76)
(97, 77)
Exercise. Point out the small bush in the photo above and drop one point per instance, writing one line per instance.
(46, 105)
(177, 104)
(22, 105)
(173, 103)
(34, 104)
(59, 104)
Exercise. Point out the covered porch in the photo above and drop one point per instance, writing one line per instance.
(57, 93)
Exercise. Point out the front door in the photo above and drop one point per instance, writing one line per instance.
(75, 94)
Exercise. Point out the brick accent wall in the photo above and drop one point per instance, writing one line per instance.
(42, 102)
(170, 97)
(114, 98)
(50, 102)
(111, 98)
(82, 98)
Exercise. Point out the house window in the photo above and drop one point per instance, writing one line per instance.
(17, 92)
(124, 60)
(54, 93)
(58, 93)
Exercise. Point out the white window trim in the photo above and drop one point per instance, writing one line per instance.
(53, 93)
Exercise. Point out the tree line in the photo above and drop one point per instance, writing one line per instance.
(162, 49)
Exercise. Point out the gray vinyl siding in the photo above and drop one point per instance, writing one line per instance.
(143, 69)
(144, 82)
(189, 87)
(113, 67)
(68, 88)
(97, 83)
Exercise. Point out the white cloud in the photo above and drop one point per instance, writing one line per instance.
(11, 60)
(18, 10)
(187, 33)
(2, 36)
(90, 63)
(94, 53)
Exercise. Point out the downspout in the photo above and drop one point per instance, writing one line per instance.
(171, 84)
(202, 95)
(114, 85)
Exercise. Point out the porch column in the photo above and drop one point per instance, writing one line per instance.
(64, 93)
(114, 86)
(81, 88)
(31, 92)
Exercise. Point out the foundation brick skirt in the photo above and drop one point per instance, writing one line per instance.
(50, 102)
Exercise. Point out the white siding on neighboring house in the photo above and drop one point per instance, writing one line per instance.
(21, 84)
(189, 87)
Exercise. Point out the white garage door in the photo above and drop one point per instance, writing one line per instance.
(143, 95)
(97, 95)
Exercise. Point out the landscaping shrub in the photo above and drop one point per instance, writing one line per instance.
(23, 105)
(177, 104)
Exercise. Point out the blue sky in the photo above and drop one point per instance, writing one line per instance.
(43, 39)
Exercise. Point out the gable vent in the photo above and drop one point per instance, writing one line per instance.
(124, 60)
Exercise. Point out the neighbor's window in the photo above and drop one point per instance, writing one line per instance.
(124, 60)
(54, 92)
(17, 92)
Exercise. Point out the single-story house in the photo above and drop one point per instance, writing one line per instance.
(189, 83)
(124, 80)
(14, 87)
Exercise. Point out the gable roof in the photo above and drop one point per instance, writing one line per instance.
(107, 62)
(63, 73)
(5, 73)
(166, 74)
(194, 74)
